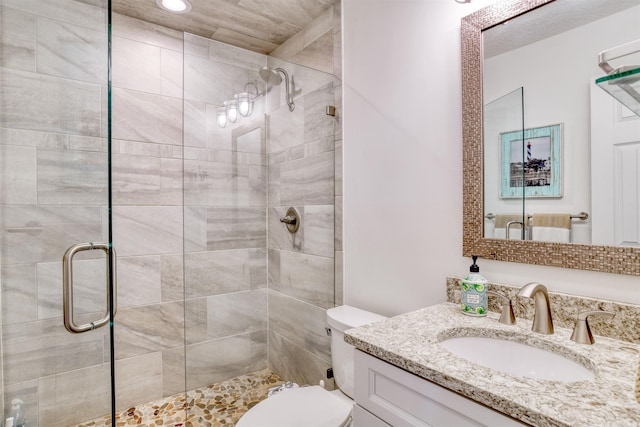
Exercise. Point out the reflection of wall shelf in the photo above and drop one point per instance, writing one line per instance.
(624, 85)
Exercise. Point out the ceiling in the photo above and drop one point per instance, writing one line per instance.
(547, 21)
(257, 25)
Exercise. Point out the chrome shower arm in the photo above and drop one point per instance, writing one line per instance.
(290, 103)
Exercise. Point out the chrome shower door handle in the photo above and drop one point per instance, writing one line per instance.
(67, 286)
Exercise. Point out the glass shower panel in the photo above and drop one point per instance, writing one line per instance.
(255, 294)
(54, 193)
(504, 167)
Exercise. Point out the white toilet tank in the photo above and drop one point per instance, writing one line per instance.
(340, 319)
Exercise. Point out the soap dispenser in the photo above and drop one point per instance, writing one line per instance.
(474, 292)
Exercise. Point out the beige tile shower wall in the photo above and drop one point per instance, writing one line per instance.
(305, 171)
(301, 151)
(53, 194)
(225, 198)
(147, 110)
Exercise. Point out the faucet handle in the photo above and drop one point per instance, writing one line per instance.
(506, 317)
(582, 331)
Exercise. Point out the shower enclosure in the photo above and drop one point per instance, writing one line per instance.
(210, 284)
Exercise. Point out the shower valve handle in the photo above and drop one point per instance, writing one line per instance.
(289, 219)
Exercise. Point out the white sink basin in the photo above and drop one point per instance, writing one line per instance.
(517, 359)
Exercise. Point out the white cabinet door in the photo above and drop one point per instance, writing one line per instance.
(403, 399)
(363, 418)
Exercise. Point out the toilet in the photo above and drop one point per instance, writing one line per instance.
(313, 406)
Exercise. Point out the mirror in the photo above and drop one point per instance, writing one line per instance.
(495, 65)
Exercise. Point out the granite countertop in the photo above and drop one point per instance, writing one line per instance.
(412, 342)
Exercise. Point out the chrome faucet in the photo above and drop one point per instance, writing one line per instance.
(542, 322)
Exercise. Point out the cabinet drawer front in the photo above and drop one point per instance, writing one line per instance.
(406, 400)
(363, 418)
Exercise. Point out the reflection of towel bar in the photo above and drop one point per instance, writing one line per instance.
(581, 216)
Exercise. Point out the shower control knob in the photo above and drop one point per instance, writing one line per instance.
(292, 220)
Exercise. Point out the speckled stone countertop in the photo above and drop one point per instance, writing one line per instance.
(412, 342)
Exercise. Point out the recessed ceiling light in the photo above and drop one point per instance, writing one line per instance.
(175, 6)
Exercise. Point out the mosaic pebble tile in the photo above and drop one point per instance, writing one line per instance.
(217, 405)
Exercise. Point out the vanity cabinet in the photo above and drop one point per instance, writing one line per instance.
(386, 395)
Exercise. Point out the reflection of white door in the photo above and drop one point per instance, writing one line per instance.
(615, 171)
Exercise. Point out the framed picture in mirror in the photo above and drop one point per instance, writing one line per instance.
(531, 163)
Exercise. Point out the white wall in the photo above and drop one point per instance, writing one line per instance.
(403, 162)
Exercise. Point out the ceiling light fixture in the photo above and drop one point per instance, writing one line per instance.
(175, 6)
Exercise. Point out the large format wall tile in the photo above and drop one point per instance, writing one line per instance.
(224, 184)
(136, 65)
(319, 238)
(314, 237)
(149, 328)
(70, 51)
(138, 380)
(301, 323)
(225, 315)
(232, 55)
(308, 181)
(294, 363)
(147, 230)
(195, 228)
(19, 293)
(219, 272)
(140, 116)
(72, 177)
(307, 278)
(278, 233)
(17, 24)
(28, 393)
(172, 277)
(136, 180)
(17, 53)
(211, 81)
(89, 287)
(49, 104)
(19, 177)
(41, 234)
(173, 369)
(286, 128)
(171, 73)
(139, 281)
(317, 124)
(235, 228)
(63, 398)
(82, 13)
(27, 138)
(146, 32)
(225, 358)
(38, 349)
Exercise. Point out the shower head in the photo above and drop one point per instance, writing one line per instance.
(270, 76)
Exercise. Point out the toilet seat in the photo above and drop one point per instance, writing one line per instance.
(305, 406)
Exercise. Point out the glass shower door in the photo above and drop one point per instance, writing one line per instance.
(55, 194)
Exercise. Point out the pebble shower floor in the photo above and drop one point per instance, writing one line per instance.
(217, 405)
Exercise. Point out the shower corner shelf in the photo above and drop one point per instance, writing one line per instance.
(624, 85)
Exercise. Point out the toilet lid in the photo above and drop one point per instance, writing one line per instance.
(305, 406)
